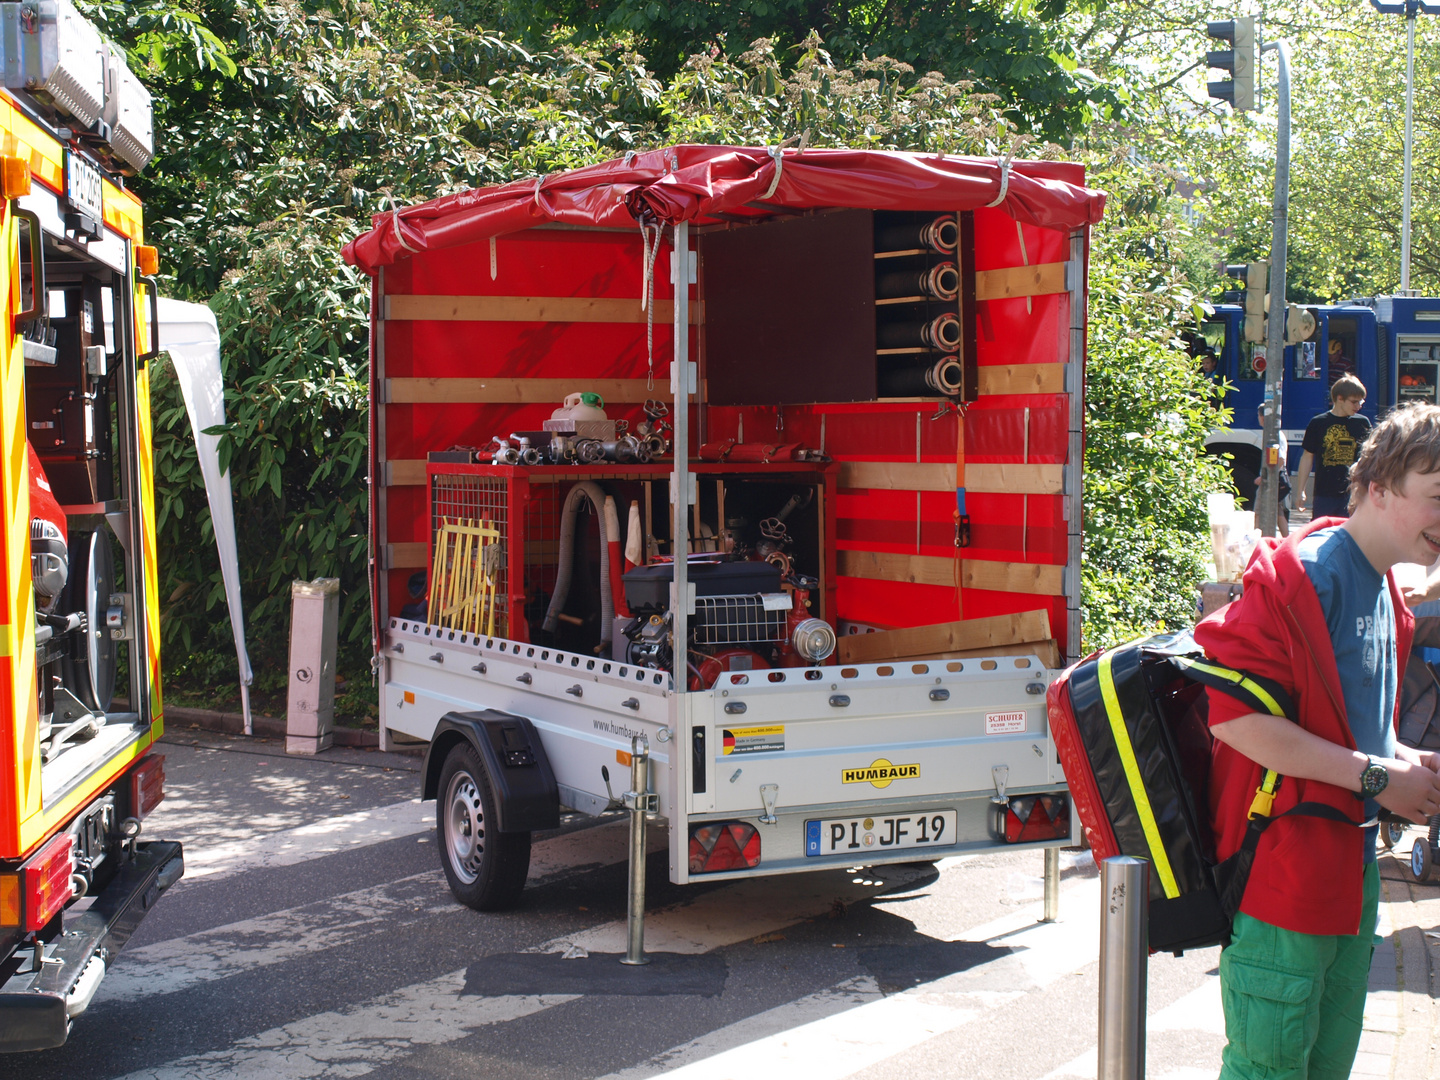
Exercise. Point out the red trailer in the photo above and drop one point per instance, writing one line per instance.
(844, 457)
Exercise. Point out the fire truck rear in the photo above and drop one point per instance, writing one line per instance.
(80, 703)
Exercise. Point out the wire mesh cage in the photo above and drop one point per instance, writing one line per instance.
(469, 519)
(737, 620)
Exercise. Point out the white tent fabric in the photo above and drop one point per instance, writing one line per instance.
(188, 332)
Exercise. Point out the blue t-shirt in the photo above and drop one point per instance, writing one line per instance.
(1356, 601)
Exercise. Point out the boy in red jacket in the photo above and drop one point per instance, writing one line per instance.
(1322, 616)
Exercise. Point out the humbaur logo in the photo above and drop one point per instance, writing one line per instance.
(880, 773)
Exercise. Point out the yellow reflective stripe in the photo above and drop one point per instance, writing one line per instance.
(1271, 781)
(1158, 856)
(1232, 676)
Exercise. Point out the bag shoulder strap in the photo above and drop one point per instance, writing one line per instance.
(1264, 696)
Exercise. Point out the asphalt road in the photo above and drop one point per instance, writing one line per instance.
(314, 936)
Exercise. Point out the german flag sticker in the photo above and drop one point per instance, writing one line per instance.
(752, 740)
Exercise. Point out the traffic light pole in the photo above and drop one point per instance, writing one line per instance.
(1268, 504)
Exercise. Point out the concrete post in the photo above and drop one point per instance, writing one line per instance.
(314, 622)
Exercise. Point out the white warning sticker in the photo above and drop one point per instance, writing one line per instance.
(1004, 723)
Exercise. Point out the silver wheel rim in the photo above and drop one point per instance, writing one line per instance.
(465, 827)
(1417, 860)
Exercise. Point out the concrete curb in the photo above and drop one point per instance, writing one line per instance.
(271, 726)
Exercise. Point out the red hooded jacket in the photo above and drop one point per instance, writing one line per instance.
(1301, 879)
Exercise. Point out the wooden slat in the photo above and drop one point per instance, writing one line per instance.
(406, 556)
(592, 309)
(1047, 652)
(520, 391)
(1015, 479)
(940, 476)
(888, 566)
(1029, 578)
(1016, 281)
(1014, 577)
(404, 472)
(1022, 379)
(944, 637)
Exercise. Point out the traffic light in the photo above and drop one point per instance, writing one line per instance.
(1253, 275)
(1299, 324)
(1238, 60)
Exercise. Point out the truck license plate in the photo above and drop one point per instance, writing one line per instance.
(863, 835)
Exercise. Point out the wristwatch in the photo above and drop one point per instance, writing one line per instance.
(1374, 779)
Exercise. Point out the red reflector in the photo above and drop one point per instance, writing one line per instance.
(729, 845)
(45, 880)
(147, 785)
(1037, 817)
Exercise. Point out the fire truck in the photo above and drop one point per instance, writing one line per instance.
(738, 488)
(80, 707)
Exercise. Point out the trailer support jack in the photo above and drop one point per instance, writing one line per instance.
(640, 801)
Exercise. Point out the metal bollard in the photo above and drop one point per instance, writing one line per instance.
(1124, 956)
(640, 802)
(1052, 884)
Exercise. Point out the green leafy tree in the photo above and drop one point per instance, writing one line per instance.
(284, 127)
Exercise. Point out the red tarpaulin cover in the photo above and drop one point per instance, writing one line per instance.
(702, 183)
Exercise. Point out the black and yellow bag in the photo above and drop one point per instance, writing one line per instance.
(1130, 725)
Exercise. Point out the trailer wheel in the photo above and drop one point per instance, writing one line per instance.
(486, 868)
(1391, 833)
(1422, 860)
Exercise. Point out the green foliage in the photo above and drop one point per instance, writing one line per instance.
(1146, 416)
(284, 127)
(1008, 49)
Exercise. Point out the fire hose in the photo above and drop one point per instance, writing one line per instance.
(586, 489)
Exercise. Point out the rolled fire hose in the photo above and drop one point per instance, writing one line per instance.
(916, 377)
(586, 489)
(942, 332)
(939, 234)
(941, 281)
(612, 552)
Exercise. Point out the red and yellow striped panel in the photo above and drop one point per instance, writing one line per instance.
(22, 137)
(122, 212)
(146, 476)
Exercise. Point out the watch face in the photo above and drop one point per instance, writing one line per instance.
(1374, 780)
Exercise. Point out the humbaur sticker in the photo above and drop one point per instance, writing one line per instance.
(880, 773)
(1004, 723)
(753, 740)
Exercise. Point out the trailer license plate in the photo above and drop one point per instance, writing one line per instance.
(842, 836)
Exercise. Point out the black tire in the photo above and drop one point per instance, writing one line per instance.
(1422, 860)
(1391, 833)
(486, 868)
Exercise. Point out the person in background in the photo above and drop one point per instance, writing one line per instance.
(1323, 617)
(1332, 443)
(1340, 365)
(1282, 520)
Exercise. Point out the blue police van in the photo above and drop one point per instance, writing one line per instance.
(1390, 343)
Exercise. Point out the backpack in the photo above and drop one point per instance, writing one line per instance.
(1130, 725)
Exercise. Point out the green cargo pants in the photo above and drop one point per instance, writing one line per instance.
(1294, 1003)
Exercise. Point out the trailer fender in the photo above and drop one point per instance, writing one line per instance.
(526, 795)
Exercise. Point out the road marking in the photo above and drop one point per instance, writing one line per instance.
(839, 998)
(282, 936)
(843, 1041)
(354, 1041)
(343, 832)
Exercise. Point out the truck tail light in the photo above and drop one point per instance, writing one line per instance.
(45, 881)
(147, 785)
(10, 901)
(723, 845)
(1027, 818)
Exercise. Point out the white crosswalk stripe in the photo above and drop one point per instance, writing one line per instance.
(283, 936)
(343, 832)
